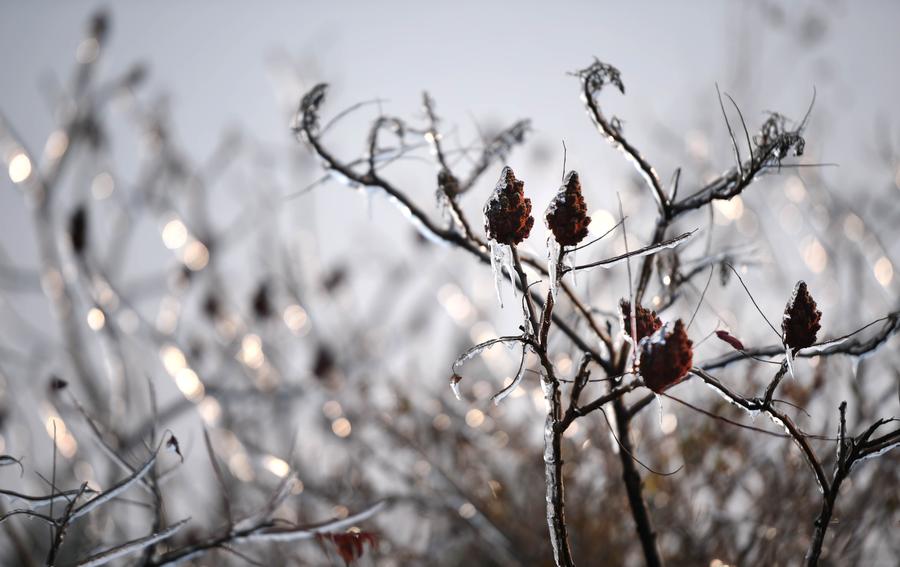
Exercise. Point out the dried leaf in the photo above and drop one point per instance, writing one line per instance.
(724, 336)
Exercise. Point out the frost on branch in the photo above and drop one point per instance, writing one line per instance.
(667, 357)
(801, 320)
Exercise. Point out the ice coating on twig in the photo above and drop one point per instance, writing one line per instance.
(454, 385)
(506, 391)
(645, 251)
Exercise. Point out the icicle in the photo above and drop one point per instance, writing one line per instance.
(552, 257)
(659, 407)
(789, 354)
(444, 207)
(497, 268)
(510, 271)
(611, 420)
(367, 192)
(570, 258)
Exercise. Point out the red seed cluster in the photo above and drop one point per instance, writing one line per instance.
(567, 214)
(646, 320)
(507, 214)
(666, 358)
(801, 321)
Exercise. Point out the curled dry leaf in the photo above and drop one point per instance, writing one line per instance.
(801, 320)
(507, 214)
(566, 215)
(667, 357)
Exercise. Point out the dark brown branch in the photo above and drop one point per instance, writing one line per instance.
(634, 489)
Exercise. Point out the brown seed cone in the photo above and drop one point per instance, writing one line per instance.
(800, 322)
(646, 320)
(507, 214)
(666, 358)
(448, 183)
(567, 214)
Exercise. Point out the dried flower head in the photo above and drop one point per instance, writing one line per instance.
(775, 135)
(78, 230)
(800, 322)
(99, 26)
(448, 184)
(262, 304)
(646, 320)
(667, 357)
(507, 214)
(566, 215)
(307, 117)
(600, 74)
(57, 384)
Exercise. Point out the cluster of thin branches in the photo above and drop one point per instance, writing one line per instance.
(766, 151)
(304, 390)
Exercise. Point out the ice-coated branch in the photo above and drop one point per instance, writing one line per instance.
(305, 126)
(265, 530)
(593, 79)
(130, 547)
(849, 345)
(849, 453)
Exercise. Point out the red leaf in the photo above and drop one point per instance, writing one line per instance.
(351, 545)
(723, 335)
